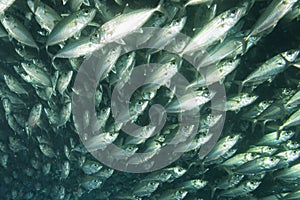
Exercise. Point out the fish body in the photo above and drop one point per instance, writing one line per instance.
(18, 31)
(70, 25)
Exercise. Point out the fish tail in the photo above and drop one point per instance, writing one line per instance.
(213, 191)
(240, 85)
(159, 8)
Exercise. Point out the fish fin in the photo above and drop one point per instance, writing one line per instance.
(253, 125)
(94, 24)
(120, 41)
(86, 2)
(229, 172)
(297, 65)
(213, 191)
(240, 85)
(36, 5)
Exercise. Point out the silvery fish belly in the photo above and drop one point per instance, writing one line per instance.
(159, 100)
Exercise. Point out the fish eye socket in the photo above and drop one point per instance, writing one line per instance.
(233, 12)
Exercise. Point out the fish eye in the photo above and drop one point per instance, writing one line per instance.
(270, 148)
(233, 12)
(252, 182)
(130, 148)
(272, 159)
(152, 183)
(86, 12)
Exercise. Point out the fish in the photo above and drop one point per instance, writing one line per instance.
(258, 165)
(270, 17)
(293, 120)
(91, 167)
(239, 159)
(45, 15)
(215, 30)
(222, 147)
(100, 142)
(14, 85)
(18, 31)
(4, 5)
(275, 138)
(82, 47)
(241, 190)
(173, 194)
(190, 101)
(90, 183)
(117, 28)
(288, 174)
(34, 115)
(70, 25)
(144, 189)
(270, 68)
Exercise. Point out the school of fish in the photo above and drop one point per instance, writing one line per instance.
(251, 47)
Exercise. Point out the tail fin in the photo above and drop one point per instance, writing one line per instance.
(240, 85)
(159, 8)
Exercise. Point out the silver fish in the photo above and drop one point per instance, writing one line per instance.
(5, 4)
(215, 30)
(263, 150)
(258, 165)
(239, 159)
(46, 16)
(144, 189)
(118, 27)
(192, 185)
(242, 189)
(70, 25)
(275, 138)
(91, 183)
(190, 101)
(91, 167)
(270, 17)
(100, 141)
(34, 115)
(63, 81)
(172, 194)
(81, 47)
(270, 68)
(222, 147)
(14, 85)
(18, 31)
(293, 120)
(290, 173)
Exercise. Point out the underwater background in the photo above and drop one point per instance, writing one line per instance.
(47, 135)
